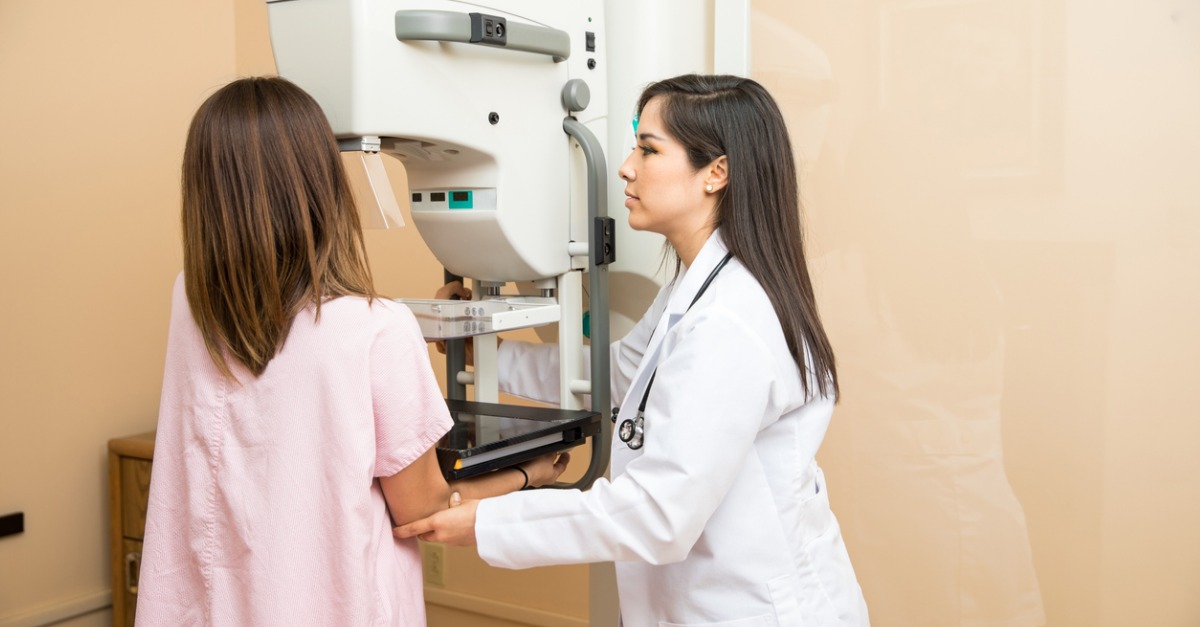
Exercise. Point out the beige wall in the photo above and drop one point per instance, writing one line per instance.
(97, 97)
(1004, 206)
(1004, 210)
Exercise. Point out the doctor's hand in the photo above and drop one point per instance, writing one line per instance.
(454, 526)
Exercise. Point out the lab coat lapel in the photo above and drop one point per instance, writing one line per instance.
(709, 256)
(685, 287)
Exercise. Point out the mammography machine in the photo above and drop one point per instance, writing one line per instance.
(497, 115)
(499, 111)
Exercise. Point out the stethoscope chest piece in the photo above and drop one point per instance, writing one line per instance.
(632, 432)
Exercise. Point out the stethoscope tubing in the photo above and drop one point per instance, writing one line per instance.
(632, 430)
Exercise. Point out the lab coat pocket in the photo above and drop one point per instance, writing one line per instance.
(754, 621)
(783, 591)
(823, 569)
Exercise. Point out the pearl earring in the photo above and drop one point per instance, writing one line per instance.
(708, 188)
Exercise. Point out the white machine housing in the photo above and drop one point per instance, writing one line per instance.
(476, 123)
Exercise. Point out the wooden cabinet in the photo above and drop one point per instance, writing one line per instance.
(129, 462)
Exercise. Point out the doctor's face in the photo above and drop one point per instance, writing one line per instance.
(664, 194)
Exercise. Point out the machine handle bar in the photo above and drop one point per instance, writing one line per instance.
(482, 29)
(597, 192)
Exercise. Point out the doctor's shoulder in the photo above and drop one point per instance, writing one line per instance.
(748, 306)
(740, 309)
(746, 300)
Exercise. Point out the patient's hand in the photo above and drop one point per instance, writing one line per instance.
(455, 288)
(445, 292)
(451, 289)
(546, 469)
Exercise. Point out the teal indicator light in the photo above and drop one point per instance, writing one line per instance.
(462, 199)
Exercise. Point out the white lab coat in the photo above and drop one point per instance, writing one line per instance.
(722, 517)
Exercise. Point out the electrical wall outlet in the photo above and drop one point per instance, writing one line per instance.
(433, 563)
(12, 524)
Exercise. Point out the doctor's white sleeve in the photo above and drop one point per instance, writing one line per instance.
(712, 394)
(531, 370)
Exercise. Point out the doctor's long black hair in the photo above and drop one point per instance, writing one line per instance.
(759, 208)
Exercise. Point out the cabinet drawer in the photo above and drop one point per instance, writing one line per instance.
(135, 494)
(129, 461)
(132, 564)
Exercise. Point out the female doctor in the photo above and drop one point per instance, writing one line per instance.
(716, 513)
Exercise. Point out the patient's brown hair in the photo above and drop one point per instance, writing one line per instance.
(269, 223)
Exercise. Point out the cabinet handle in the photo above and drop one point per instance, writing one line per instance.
(133, 564)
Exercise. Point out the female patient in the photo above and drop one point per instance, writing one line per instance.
(298, 409)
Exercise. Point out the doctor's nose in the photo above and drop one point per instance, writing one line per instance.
(625, 172)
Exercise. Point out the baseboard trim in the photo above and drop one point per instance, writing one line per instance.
(499, 609)
(57, 611)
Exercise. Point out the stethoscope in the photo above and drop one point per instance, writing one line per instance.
(633, 430)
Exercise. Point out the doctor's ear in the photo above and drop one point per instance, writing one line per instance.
(716, 174)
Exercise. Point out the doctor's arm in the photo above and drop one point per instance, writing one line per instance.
(701, 425)
(531, 370)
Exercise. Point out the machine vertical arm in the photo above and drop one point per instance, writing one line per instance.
(602, 253)
(456, 354)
